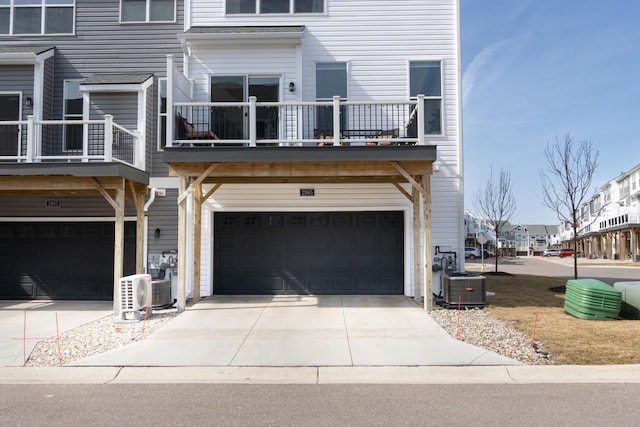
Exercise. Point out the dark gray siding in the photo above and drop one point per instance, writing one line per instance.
(102, 45)
(18, 78)
(122, 105)
(49, 82)
(163, 214)
(36, 206)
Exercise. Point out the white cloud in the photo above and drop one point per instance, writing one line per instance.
(481, 65)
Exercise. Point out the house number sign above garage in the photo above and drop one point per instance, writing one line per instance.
(307, 192)
(53, 203)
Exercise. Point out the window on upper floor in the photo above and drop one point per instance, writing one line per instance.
(274, 6)
(36, 17)
(331, 80)
(147, 10)
(425, 77)
(162, 113)
(72, 110)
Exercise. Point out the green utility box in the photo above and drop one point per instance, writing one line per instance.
(630, 308)
(592, 299)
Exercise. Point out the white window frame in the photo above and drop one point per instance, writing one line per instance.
(161, 114)
(43, 14)
(147, 19)
(430, 97)
(291, 10)
(67, 116)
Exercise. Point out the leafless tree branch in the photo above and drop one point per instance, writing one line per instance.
(495, 202)
(567, 181)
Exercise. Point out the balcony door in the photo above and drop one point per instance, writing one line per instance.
(233, 122)
(9, 134)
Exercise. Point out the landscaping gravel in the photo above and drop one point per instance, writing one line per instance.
(96, 337)
(476, 327)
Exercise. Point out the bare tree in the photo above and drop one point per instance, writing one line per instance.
(495, 203)
(566, 182)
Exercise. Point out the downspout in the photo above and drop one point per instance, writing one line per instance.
(152, 197)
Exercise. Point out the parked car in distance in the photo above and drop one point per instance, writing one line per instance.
(471, 253)
(565, 252)
(488, 254)
(550, 252)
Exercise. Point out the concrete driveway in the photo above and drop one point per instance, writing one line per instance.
(300, 331)
(37, 320)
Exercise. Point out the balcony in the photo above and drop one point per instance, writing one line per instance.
(70, 141)
(300, 124)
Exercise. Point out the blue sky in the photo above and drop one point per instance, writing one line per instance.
(537, 70)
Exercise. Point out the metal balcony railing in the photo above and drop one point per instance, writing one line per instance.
(276, 124)
(44, 141)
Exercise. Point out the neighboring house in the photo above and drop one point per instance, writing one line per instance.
(475, 226)
(78, 137)
(610, 221)
(527, 239)
(294, 142)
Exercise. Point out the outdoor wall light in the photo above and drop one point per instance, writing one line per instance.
(292, 87)
(28, 102)
(157, 233)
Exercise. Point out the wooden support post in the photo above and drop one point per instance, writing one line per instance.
(182, 246)
(428, 257)
(118, 248)
(417, 238)
(140, 230)
(197, 230)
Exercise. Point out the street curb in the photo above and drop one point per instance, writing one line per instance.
(553, 374)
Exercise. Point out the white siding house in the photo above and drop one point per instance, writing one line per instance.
(347, 60)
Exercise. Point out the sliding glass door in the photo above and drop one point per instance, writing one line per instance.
(229, 122)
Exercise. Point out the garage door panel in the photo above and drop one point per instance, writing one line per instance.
(320, 262)
(309, 253)
(62, 260)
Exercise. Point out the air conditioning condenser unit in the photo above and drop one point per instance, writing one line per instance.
(135, 295)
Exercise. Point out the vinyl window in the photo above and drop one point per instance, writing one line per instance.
(147, 10)
(37, 17)
(265, 7)
(425, 78)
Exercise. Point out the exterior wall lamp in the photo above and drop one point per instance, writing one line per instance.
(292, 87)
(28, 102)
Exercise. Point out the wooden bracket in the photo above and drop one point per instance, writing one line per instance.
(106, 195)
(415, 184)
(198, 181)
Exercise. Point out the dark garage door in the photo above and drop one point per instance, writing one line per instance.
(61, 260)
(352, 253)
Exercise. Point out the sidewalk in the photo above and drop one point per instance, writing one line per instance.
(558, 374)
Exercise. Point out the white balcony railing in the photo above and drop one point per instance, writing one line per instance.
(41, 141)
(273, 124)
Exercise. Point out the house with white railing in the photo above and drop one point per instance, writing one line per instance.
(282, 147)
(610, 220)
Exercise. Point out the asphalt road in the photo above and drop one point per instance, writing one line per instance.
(320, 405)
(560, 267)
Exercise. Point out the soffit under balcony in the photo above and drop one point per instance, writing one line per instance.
(302, 164)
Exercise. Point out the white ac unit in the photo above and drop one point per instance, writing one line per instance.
(135, 293)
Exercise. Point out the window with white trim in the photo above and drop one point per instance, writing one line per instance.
(265, 7)
(37, 17)
(72, 110)
(147, 10)
(331, 80)
(425, 78)
(162, 113)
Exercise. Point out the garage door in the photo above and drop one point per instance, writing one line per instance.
(352, 253)
(61, 260)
